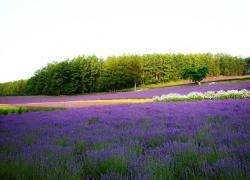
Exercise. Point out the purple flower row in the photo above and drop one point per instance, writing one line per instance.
(127, 95)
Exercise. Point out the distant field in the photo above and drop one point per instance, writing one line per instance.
(83, 100)
(220, 79)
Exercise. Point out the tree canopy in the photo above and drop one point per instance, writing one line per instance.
(195, 74)
(85, 74)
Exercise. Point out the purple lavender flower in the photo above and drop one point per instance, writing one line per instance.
(205, 139)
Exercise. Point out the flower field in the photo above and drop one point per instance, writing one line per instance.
(158, 140)
(150, 93)
(209, 95)
(124, 90)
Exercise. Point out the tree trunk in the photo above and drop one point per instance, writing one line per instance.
(135, 86)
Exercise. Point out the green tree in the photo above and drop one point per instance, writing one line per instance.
(247, 65)
(120, 72)
(195, 74)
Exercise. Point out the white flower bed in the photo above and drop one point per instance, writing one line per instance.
(231, 94)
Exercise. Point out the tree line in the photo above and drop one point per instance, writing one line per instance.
(85, 74)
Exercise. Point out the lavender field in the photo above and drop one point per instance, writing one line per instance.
(159, 140)
(124, 90)
(126, 95)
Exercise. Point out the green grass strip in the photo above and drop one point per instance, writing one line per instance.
(7, 109)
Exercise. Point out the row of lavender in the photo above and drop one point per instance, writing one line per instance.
(126, 95)
(176, 140)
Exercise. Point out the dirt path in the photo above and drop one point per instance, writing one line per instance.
(225, 78)
(88, 103)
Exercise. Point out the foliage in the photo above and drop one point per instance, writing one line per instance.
(13, 88)
(120, 72)
(247, 60)
(63, 141)
(195, 74)
(209, 95)
(13, 170)
(85, 74)
(77, 76)
(21, 109)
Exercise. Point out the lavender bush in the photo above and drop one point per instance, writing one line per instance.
(166, 140)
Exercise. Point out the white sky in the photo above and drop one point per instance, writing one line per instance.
(35, 32)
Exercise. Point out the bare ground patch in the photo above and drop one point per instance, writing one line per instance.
(88, 103)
